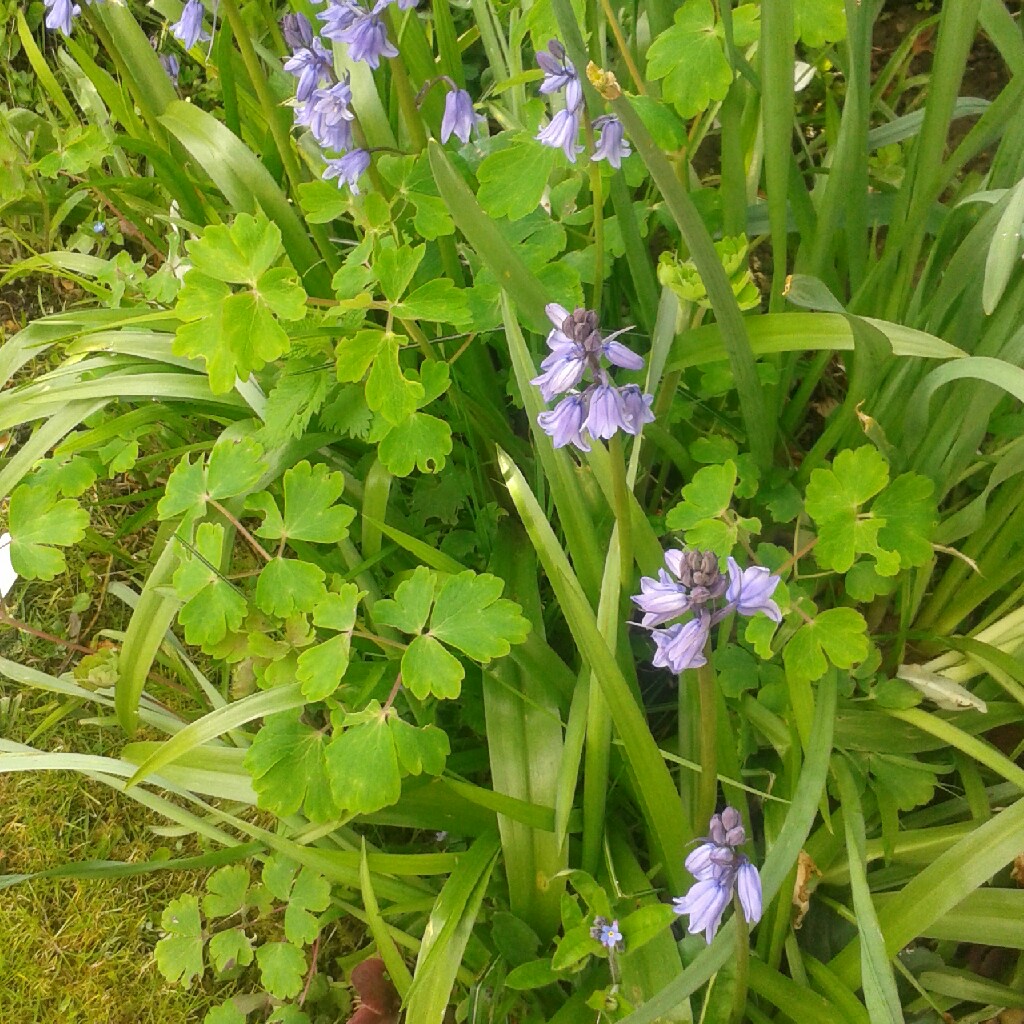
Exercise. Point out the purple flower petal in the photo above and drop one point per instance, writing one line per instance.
(562, 133)
(607, 412)
(750, 590)
(564, 423)
(748, 888)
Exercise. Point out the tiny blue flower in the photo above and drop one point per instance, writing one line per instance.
(310, 65)
(188, 30)
(60, 15)
(611, 145)
(459, 119)
(99, 228)
(348, 169)
(607, 933)
(562, 133)
(297, 31)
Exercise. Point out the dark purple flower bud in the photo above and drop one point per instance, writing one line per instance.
(459, 119)
(564, 423)
(750, 590)
(562, 133)
(366, 37)
(310, 65)
(297, 31)
(188, 30)
(60, 15)
(171, 65)
(348, 169)
(611, 145)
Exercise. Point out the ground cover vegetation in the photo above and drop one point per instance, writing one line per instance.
(525, 500)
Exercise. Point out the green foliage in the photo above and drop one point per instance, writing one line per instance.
(179, 954)
(40, 524)
(705, 514)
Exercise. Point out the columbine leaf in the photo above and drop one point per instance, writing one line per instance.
(338, 611)
(282, 968)
(211, 606)
(419, 750)
(185, 491)
(427, 668)
(288, 585)
(703, 514)
(309, 510)
(818, 22)
(225, 1013)
(234, 466)
(278, 876)
(420, 441)
(354, 355)
(691, 59)
(38, 524)
(439, 301)
(908, 507)
(239, 253)
(363, 766)
(837, 635)
(409, 608)
(388, 390)
(320, 669)
(470, 614)
(395, 268)
(226, 889)
(179, 954)
(310, 895)
(512, 181)
(289, 770)
(833, 500)
(230, 949)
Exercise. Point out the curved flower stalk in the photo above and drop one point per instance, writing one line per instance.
(578, 349)
(719, 872)
(692, 584)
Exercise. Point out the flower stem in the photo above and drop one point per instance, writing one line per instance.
(707, 786)
(406, 95)
(739, 993)
(620, 497)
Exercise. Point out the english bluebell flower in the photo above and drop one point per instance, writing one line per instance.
(366, 36)
(188, 30)
(459, 119)
(60, 15)
(607, 933)
(171, 65)
(611, 144)
(719, 871)
(681, 646)
(329, 116)
(750, 590)
(695, 581)
(637, 406)
(564, 423)
(607, 413)
(561, 133)
(338, 18)
(297, 30)
(560, 74)
(348, 169)
(310, 66)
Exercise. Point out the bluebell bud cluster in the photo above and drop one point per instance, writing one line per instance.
(562, 131)
(601, 409)
(691, 584)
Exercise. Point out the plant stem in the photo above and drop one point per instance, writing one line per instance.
(406, 96)
(24, 627)
(620, 492)
(623, 48)
(233, 520)
(707, 786)
(739, 992)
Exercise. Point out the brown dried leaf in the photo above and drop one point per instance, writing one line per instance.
(806, 874)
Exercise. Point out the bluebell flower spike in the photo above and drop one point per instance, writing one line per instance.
(720, 871)
(577, 350)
